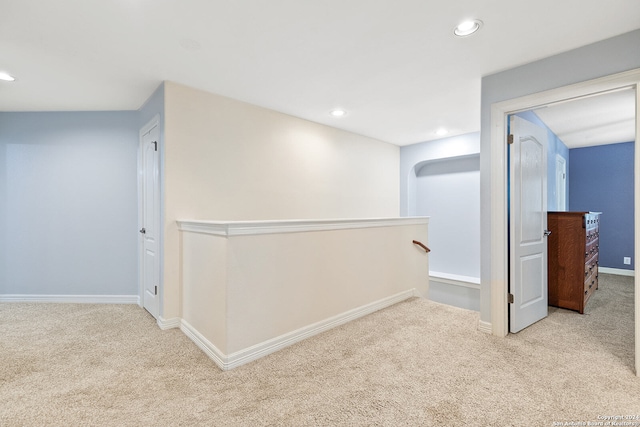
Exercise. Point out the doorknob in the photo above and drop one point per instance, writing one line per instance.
(143, 231)
(547, 233)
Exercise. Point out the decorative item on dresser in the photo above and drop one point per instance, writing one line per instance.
(573, 247)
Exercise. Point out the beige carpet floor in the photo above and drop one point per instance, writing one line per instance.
(417, 363)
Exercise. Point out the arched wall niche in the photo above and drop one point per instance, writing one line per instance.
(451, 165)
(448, 191)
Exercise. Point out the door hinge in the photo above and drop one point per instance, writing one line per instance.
(155, 291)
(510, 298)
(510, 139)
(155, 145)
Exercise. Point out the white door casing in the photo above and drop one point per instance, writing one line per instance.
(149, 218)
(528, 214)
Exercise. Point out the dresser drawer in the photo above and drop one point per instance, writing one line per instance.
(591, 249)
(591, 265)
(591, 283)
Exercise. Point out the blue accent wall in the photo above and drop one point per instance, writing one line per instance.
(601, 180)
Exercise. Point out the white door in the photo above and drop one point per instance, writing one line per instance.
(561, 183)
(150, 219)
(528, 223)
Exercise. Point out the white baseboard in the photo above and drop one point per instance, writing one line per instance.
(73, 299)
(227, 362)
(205, 345)
(270, 346)
(172, 323)
(485, 327)
(616, 271)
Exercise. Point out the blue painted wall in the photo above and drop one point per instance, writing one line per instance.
(601, 180)
(68, 203)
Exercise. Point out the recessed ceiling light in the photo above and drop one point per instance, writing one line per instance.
(442, 132)
(6, 77)
(338, 112)
(467, 28)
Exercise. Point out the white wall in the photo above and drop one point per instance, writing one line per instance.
(228, 160)
(68, 222)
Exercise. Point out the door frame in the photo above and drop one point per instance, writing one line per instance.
(155, 121)
(499, 254)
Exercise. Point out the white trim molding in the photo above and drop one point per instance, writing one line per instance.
(205, 345)
(485, 327)
(72, 299)
(617, 271)
(165, 324)
(239, 358)
(252, 228)
(455, 279)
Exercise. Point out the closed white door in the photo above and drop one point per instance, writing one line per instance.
(528, 223)
(150, 221)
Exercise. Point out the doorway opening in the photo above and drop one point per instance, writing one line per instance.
(599, 132)
(499, 201)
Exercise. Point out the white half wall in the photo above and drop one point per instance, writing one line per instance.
(247, 294)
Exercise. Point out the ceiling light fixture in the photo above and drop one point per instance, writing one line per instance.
(442, 132)
(6, 77)
(338, 112)
(466, 28)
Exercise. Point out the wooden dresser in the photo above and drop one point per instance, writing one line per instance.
(573, 258)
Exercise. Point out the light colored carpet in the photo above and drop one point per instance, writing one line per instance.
(417, 363)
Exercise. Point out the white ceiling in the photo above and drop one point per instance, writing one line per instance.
(596, 120)
(395, 66)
